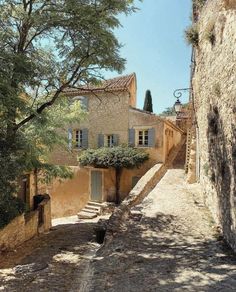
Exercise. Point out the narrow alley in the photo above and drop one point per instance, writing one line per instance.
(169, 243)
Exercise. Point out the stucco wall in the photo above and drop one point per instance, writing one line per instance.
(71, 195)
(214, 88)
(140, 120)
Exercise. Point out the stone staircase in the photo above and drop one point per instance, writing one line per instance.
(180, 159)
(176, 157)
(90, 211)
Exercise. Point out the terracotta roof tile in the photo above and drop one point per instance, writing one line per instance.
(115, 84)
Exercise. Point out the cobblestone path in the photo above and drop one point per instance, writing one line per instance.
(55, 261)
(168, 244)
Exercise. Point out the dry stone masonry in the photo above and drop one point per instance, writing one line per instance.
(214, 90)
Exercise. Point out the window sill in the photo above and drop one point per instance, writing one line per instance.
(144, 147)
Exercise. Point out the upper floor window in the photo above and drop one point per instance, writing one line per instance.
(83, 101)
(143, 138)
(78, 138)
(109, 140)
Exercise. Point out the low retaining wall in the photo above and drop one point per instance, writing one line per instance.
(13, 234)
(26, 226)
(137, 194)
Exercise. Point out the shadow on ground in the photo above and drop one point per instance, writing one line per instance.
(151, 256)
(50, 262)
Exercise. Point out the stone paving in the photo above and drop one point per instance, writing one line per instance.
(52, 262)
(169, 243)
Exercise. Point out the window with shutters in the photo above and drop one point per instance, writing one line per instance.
(83, 101)
(78, 138)
(143, 138)
(109, 140)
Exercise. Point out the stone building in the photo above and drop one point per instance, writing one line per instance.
(112, 119)
(214, 108)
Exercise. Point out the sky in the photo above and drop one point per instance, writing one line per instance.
(155, 49)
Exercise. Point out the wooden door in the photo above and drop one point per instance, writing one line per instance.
(96, 186)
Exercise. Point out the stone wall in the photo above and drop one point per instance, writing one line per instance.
(13, 234)
(25, 226)
(108, 113)
(214, 89)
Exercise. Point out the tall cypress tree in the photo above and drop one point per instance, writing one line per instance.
(148, 102)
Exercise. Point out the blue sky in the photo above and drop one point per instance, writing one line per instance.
(155, 49)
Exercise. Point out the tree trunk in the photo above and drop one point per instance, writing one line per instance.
(118, 177)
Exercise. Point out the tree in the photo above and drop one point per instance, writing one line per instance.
(118, 158)
(169, 111)
(46, 47)
(148, 102)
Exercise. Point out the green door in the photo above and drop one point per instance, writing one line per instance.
(96, 186)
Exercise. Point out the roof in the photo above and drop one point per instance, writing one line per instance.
(120, 83)
(168, 122)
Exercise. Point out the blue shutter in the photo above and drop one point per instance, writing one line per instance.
(70, 137)
(115, 140)
(85, 138)
(131, 137)
(84, 103)
(151, 137)
(100, 140)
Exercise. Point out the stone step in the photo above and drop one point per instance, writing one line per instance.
(95, 204)
(91, 210)
(91, 207)
(86, 215)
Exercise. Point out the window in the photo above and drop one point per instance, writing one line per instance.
(83, 101)
(143, 138)
(78, 138)
(109, 140)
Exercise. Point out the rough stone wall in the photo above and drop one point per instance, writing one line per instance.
(214, 88)
(13, 234)
(31, 224)
(107, 114)
(25, 226)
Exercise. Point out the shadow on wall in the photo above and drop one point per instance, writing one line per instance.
(222, 166)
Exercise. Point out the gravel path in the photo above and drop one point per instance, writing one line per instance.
(169, 243)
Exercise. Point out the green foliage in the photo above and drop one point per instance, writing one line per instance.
(192, 35)
(10, 208)
(210, 33)
(116, 157)
(148, 102)
(169, 111)
(46, 47)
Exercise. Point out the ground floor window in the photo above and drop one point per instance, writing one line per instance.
(109, 140)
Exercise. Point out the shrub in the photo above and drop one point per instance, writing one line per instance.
(192, 35)
(210, 33)
(10, 207)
